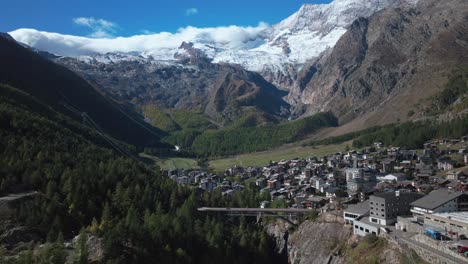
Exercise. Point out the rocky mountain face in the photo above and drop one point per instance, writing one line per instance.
(368, 61)
(187, 76)
(384, 65)
(328, 240)
(222, 91)
(277, 52)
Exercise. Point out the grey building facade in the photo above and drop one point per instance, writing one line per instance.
(386, 207)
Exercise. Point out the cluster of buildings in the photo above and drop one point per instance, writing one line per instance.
(350, 176)
(347, 177)
(376, 185)
(203, 180)
(379, 188)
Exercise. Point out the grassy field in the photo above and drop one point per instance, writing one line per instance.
(285, 152)
(289, 151)
(178, 163)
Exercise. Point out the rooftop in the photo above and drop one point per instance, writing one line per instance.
(359, 208)
(436, 198)
(366, 220)
(392, 194)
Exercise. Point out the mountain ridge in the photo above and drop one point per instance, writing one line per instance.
(277, 52)
(61, 89)
(378, 71)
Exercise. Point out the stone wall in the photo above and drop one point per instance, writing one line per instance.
(429, 256)
(437, 245)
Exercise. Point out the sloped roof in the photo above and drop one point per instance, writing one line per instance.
(359, 208)
(436, 198)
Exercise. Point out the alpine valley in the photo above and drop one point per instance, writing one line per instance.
(85, 122)
(363, 60)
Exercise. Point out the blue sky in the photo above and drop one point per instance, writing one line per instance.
(100, 18)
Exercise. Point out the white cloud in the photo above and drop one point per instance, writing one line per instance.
(68, 45)
(191, 11)
(100, 28)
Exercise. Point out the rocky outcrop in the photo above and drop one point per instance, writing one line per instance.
(318, 242)
(95, 246)
(19, 234)
(280, 231)
(382, 66)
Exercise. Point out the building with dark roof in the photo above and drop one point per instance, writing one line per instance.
(440, 201)
(355, 210)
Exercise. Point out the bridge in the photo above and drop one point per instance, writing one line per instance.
(256, 211)
(285, 214)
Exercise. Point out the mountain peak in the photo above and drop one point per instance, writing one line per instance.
(338, 13)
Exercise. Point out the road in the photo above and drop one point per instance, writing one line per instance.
(405, 237)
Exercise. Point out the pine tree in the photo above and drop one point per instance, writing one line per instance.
(82, 250)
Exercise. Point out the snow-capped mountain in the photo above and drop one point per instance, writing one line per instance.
(279, 50)
(295, 63)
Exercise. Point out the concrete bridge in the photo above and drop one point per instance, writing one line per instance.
(255, 210)
(285, 214)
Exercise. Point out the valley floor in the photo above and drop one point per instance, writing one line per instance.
(289, 151)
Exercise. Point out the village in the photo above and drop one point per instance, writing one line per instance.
(418, 196)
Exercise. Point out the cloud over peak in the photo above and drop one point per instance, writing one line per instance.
(68, 45)
(100, 28)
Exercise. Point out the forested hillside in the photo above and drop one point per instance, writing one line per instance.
(410, 135)
(66, 92)
(249, 139)
(142, 216)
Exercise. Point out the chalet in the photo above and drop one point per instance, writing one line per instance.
(273, 184)
(393, 152)
(456, 175)
(207, 185)
(393, 177)
(387, 165)
(406, 164)
(425, 159)
(315, 202)
(445, 164)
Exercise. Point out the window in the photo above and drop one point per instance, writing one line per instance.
(367, 230)
(356, 227)
(360, 228)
